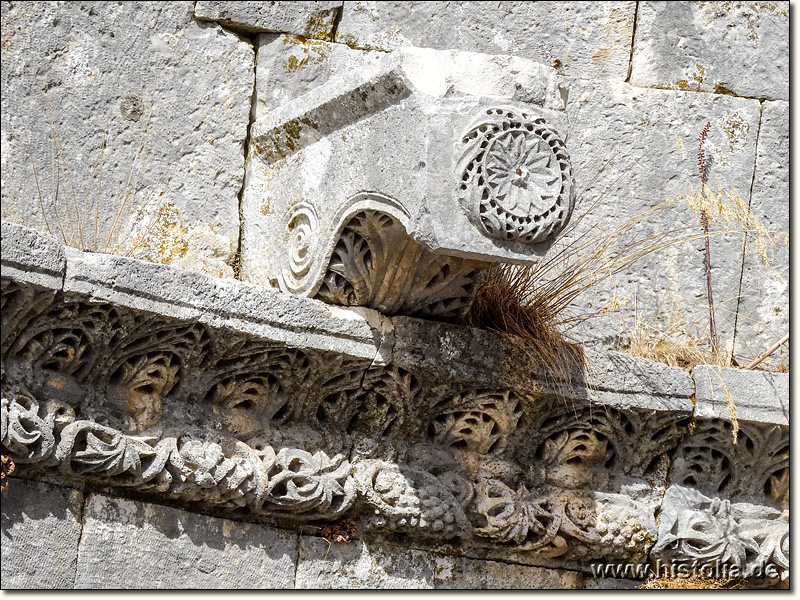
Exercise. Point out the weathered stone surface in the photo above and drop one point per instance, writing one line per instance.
(32, 257)
(749, 540)
(358, 565)
(714, 47)
(581, 39)
(635, 149)
(610, 583)
(764, 297)
(288, 66)
(226, 304)
(136, 377)
(41, 527)
(372, 565)
(492, 575)
(132, 545)
(167, 96)
(609, 378)
(758, 396)
(308, 19)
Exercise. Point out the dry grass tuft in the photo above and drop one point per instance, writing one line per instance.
(674, 354)
(534, 303)
(117, 221)
(509, 302)
(692, 583)
(732, 213)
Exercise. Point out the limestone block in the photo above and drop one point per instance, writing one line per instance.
(371, 565)
(417, 158)
(610, 583)
(166, 97)
(737, 48)
(33, 266)
(308, 19)
(32, 257)
(288, 66)
(41, 527)
(132, 545)
(486, 359)
(764, 296)
(635, 155)
(227, 304)
(492, 575)
(359, 565)
(581, 39)
(757, 396)
(144, 378)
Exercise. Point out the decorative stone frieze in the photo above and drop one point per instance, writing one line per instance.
(151, 381)
(728, 503)
(396, 184)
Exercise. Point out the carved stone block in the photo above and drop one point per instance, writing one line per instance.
(269, 407)
(392, 186)
(728, 503)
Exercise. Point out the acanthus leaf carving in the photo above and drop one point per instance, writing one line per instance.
(376, 264)
(715, 531)
(292, 481)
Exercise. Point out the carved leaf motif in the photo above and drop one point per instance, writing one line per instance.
(480, 422)
(87, 447)
(376, 264)
(755, 465)
(314, 486)
(715, 531)
(19, 304)
(307, 482)
(26, 434)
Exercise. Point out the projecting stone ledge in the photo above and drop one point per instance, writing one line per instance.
(284, 410)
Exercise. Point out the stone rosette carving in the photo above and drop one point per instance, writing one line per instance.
(516, 176)
(353, 188)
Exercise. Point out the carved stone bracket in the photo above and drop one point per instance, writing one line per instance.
(383, 189)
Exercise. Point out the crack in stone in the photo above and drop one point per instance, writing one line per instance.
(744, 239)
(633, 41)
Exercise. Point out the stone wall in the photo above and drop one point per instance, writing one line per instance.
(169, 92)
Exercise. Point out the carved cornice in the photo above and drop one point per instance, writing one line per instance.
(141, 377)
